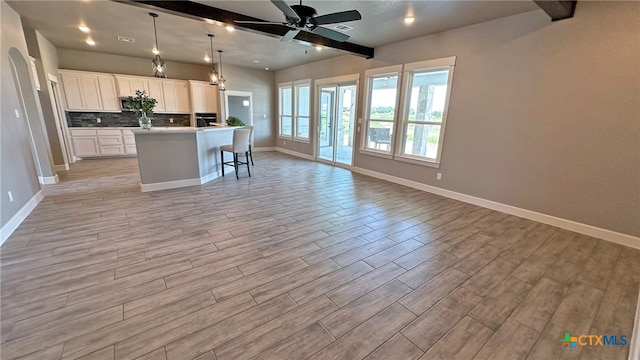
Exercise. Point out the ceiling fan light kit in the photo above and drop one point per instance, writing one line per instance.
(157, 64)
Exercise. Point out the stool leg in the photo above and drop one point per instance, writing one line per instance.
(246, 154)
(251, 154)
(235, 163)
(222, 161)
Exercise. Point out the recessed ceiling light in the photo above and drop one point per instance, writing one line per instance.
(256, 61)
(266, 68)
(206, 58)
(409, 19)
(90, 42)
(229, 28)
(84, 28)
(318, 47)
(155, 51)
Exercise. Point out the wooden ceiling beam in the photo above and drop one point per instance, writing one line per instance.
(556, 9)
(205, 13)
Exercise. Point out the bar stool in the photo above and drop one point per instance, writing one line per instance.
(240, 145)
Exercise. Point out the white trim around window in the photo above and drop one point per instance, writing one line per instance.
(285, 110)
(294, 119)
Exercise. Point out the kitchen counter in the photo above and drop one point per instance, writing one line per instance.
(176, 157)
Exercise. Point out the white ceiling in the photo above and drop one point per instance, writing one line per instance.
(185, 40)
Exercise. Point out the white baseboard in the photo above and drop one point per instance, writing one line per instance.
(49, 180)
(295, 153)
(64, 167)
(263, 149)
(612, 236)
(184, 183)
(19, 217)
(634, 351)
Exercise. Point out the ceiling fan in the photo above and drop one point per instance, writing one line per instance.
(302, 17)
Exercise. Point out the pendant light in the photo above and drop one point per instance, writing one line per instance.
(221, 81)
(213, 75)
(157, 64)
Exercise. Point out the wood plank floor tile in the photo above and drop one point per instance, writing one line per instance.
(398, 347)
(352, 315)
(429, 293)
(512, 341)
(392, 271)
(300, 345)
(271, 333)
(462, 342)
(144, 342)
(429, 327)
(364, 284)
(496, 307)
(329, 282)
(215, 335)
(362, 340)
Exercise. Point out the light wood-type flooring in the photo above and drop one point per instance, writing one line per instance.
(302, 260)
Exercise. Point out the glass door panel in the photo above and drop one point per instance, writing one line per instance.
(326, 123)
(346, 123)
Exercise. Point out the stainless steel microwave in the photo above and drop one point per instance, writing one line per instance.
(124, 103)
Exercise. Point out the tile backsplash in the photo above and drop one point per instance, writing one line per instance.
(123, 119)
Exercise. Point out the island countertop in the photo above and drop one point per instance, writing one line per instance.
(179, 130)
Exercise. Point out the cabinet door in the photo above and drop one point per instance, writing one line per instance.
(182, 97)
(212, 99)
(86, 146)
(155, 91)
(108, 94)
(71, 86)
(90, 92)
(169, 93)
(198, 98)
(138, 84)
(124, 86)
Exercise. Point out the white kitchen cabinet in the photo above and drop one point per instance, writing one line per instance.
(127, 85)
(204, 97)
(176, 96)
(103, 142)
(155, 91)
(85, 142)
(87, 91)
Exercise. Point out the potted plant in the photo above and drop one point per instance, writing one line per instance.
(234, 121)
(143, 105)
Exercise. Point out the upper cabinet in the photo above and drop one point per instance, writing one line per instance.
(172, 96)
(204, 97)
(87, 91)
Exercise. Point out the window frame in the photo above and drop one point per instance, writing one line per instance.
(296, 116)
(370, 75)
(409, 70)
(281, 86)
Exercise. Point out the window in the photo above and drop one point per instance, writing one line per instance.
(303, 110)
(285, 110)
(420, 124)
(294, 110)
(381, 108)
(426, 100)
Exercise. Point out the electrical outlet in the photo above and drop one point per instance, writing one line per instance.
(439, 176)
(171, 120)
(17, 113)
(10, 196)
(98, 120)
(284, 142)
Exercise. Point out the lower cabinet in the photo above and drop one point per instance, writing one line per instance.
(103, 142)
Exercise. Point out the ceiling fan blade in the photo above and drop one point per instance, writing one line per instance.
(259, 22)
(343, 16)
(331, 34)
(288, 11)
(290, 35)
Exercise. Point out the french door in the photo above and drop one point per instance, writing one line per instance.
(336, 123)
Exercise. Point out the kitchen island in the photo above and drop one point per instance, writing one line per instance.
(176, 157)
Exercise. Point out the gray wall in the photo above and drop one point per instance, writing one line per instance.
(46, 63)
(543, 116)
(260, 82)
(18, 172)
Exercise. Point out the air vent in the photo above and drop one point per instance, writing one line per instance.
(126, 39)
(343, 27)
